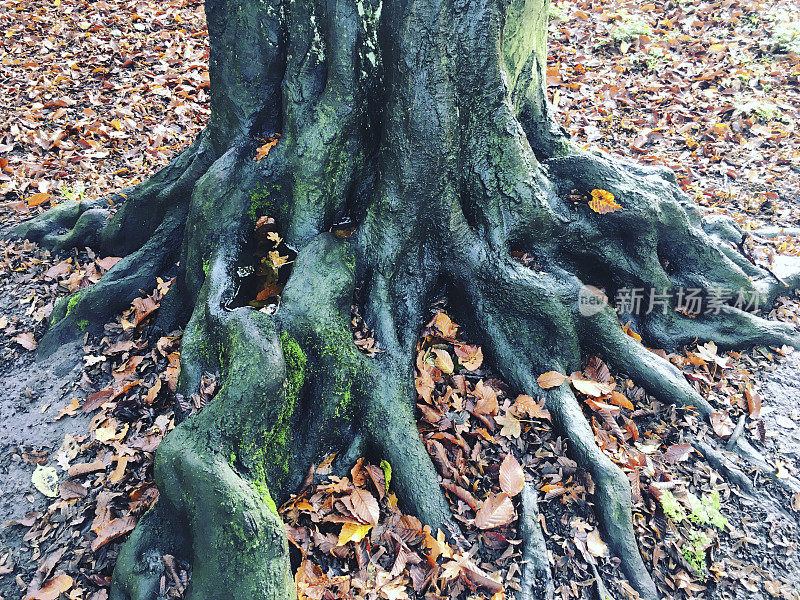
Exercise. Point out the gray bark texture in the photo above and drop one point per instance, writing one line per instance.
(425, 123)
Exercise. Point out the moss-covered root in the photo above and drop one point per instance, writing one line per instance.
(239, 547)
(90, 308)
(139, 567)
(70, 224)
(612, 497)
(537, 577)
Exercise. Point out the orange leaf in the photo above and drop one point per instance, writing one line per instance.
(525, 404)
(550, 379)
(603, 202)
(262, 151)
(53, 588)
(620, 400)
(38, 199)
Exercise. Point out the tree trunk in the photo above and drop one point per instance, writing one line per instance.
(425, 123)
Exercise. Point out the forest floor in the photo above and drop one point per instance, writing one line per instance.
(98, 95)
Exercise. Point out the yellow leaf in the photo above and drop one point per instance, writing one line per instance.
(104, 434)
(352, 532)
(443, 361)
(603, 202)
(45, 479)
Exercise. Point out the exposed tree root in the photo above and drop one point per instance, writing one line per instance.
(423, 123)
(537, 578)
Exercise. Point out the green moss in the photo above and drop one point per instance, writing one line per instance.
(83, 324)
(260, 200)
(73, 302)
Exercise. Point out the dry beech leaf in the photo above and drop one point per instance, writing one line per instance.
(678, 452)
(487, 399)
(721, 424)
(603, 202)
(366, 506)
(470, 357)
(495, 511)
(595, 544)
(620, 400)
(26, 341)
(511, 426)
(551, 379)
(53, 588)
(445, 325)
(512, 477)
(443, 361)
(352, 532)
(526, 405)
(38, 199)
(753, 402)
(590, 388)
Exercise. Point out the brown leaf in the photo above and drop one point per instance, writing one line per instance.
(445, 325)
(495, 511)
(510, 424)
(551, 379)
(443, 361)
(526, 405)
(487, 399)
(721, 424)
(114, 529)
(590, 388)
(365, 506)
(26, 341)
(38, 199)
(678, 452)
(53, 588)
(512, 477)
(595, 544)
(470, 357)
(620, 400)
(753, 402)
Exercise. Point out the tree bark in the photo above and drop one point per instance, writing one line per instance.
(425, 122)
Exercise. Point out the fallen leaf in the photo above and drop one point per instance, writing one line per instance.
(512, 477)
(591, 388)
(603, 202)
(551, 379)
(53, 588)
(526, 405)
(45, 479)
(352, 532)
(510, 425)
(26, 341)
(495, 511)
(595, 544)
(263, 150)
(721, 424)
(443, 361)
(678, 452)
(38, 199)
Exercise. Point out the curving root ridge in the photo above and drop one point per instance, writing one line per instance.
(425, 124)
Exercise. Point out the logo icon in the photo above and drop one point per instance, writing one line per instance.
(591, 300)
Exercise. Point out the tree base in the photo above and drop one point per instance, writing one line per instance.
(466, 169)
